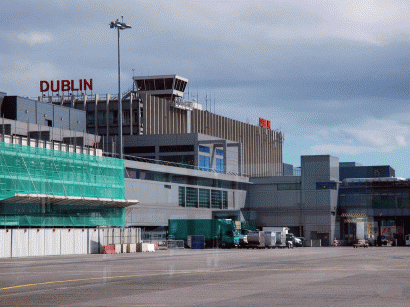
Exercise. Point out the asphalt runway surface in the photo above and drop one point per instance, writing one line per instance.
(321, 276)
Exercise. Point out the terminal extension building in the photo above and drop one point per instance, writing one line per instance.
(179, 161)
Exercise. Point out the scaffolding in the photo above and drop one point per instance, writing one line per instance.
(45, 174)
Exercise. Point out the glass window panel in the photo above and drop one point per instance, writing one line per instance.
(224, 199)
(192, 197)
(204, 149)
(216, 199)
(204, 198)
(181, 196)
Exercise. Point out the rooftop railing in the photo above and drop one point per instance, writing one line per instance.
(169, 163)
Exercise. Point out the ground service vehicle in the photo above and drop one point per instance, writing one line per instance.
(216, 232)
(361, 243)
(280, 235)
(290, 237)
(259, 239)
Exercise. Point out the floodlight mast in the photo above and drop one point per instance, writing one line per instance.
(120, 25)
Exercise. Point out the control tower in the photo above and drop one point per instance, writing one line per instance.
(164, 86)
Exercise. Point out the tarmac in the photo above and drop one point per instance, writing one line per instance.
(308, 276)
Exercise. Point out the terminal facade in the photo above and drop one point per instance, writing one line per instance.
(181, 161)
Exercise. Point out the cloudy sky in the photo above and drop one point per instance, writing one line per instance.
(333, 75)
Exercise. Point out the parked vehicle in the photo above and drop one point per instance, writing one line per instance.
(280, 234)
(361, 243)
(407, 240)
(301, 241)
(255, 239)
(216, 232)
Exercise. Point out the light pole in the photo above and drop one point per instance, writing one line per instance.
(120, 25)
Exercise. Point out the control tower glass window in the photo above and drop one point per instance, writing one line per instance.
(141, 85)
(159, 84)
(150, 85)
(168, 83)
(183, 86)
(178, 85)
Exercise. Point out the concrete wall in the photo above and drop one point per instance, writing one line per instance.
(159, 201)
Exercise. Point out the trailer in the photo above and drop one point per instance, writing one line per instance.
(216, 232)
(281, 235)
(255, 239)
(270, 239)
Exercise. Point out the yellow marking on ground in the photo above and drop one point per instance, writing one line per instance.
(193, 272)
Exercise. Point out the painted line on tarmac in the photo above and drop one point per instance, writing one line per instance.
(192, 272)
(137, 275)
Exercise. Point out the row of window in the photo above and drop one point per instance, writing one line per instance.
(288, 186)
(182, 179)
(203, 198)
(112, 117)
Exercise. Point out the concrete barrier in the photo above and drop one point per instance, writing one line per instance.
(118, 248)
(124, 248)
(132, 247)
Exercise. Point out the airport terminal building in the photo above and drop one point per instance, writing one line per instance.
(60, 167)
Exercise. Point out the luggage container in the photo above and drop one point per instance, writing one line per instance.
(270, 239)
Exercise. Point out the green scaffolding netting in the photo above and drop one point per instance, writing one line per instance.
(33, 170)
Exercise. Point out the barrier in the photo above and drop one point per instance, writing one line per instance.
(5, 243)
(109, 249)
(132, 248)
(124, 248)
(34, 242)
(118, 248)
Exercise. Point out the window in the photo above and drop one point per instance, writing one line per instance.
(113, 117)
(176, 148)
(126, 117)
(219, 152)
(136, 118)
(216, 199)
(90, 119)
(204, 149)
(141, 85)
(191, 197)
(101, 118)
(140, 149)
(204, 198)
(204, 162)
(168, 83)
(159, 84)
(224, 199)
(326, 186)
(149, 85)
(288, 186)
(219, 165)
(181, 196)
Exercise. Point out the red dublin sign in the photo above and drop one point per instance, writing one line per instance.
(66, 85)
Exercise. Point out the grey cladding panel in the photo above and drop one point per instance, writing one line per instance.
(77, 120)
(61, 117)
(26, 110)
(45, 111)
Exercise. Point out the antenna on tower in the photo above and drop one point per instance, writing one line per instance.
(206, 99)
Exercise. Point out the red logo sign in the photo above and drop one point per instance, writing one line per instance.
(264, 123)
(66, 85)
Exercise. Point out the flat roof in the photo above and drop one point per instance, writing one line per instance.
(160, 77)
(68, 200)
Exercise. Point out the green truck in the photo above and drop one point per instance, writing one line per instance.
(217, 232)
